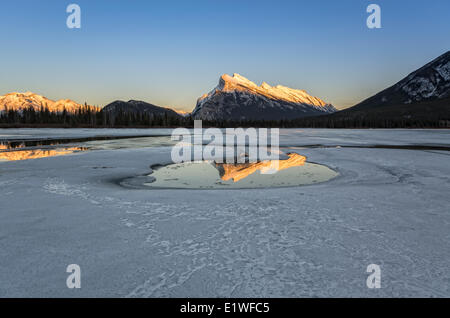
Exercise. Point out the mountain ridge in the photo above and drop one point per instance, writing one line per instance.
(429, 82)
(22, 101)
(421, 99)
(237, 98)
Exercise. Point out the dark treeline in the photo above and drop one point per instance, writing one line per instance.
(87, 117)
(336, 122)
(95, 118)
(365, 122)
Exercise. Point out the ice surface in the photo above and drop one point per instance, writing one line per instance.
(388, 206)
(33, 133)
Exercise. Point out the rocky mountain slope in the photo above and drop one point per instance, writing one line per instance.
(237, 98)
(428, 83)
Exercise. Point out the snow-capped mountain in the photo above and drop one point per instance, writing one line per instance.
(237, 98)
(428, 83)
(21, 101)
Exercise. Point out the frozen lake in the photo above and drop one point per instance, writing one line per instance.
(389, 206)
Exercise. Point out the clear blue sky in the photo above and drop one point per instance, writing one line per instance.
(171, 52)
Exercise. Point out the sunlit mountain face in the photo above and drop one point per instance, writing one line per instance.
(29, 100)
(239, 171)
(18, 155)
(238, 82)
(237, 98)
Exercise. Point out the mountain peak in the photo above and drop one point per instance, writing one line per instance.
(241, 92)
(229, 83)
(20, 101)
(264, 85)
(238, 82)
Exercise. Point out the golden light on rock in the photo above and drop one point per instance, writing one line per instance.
(36, 153)
(240, 171)
(8, 147)
(20, 101)
(239, 83)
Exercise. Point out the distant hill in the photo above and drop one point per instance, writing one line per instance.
(236, 98)
(138, 108)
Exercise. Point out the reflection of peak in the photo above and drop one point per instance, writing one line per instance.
(241, 171)
(36, 153)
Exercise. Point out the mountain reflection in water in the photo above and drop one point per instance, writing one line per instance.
(239, 171)
(36, 153)
(293, 171)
